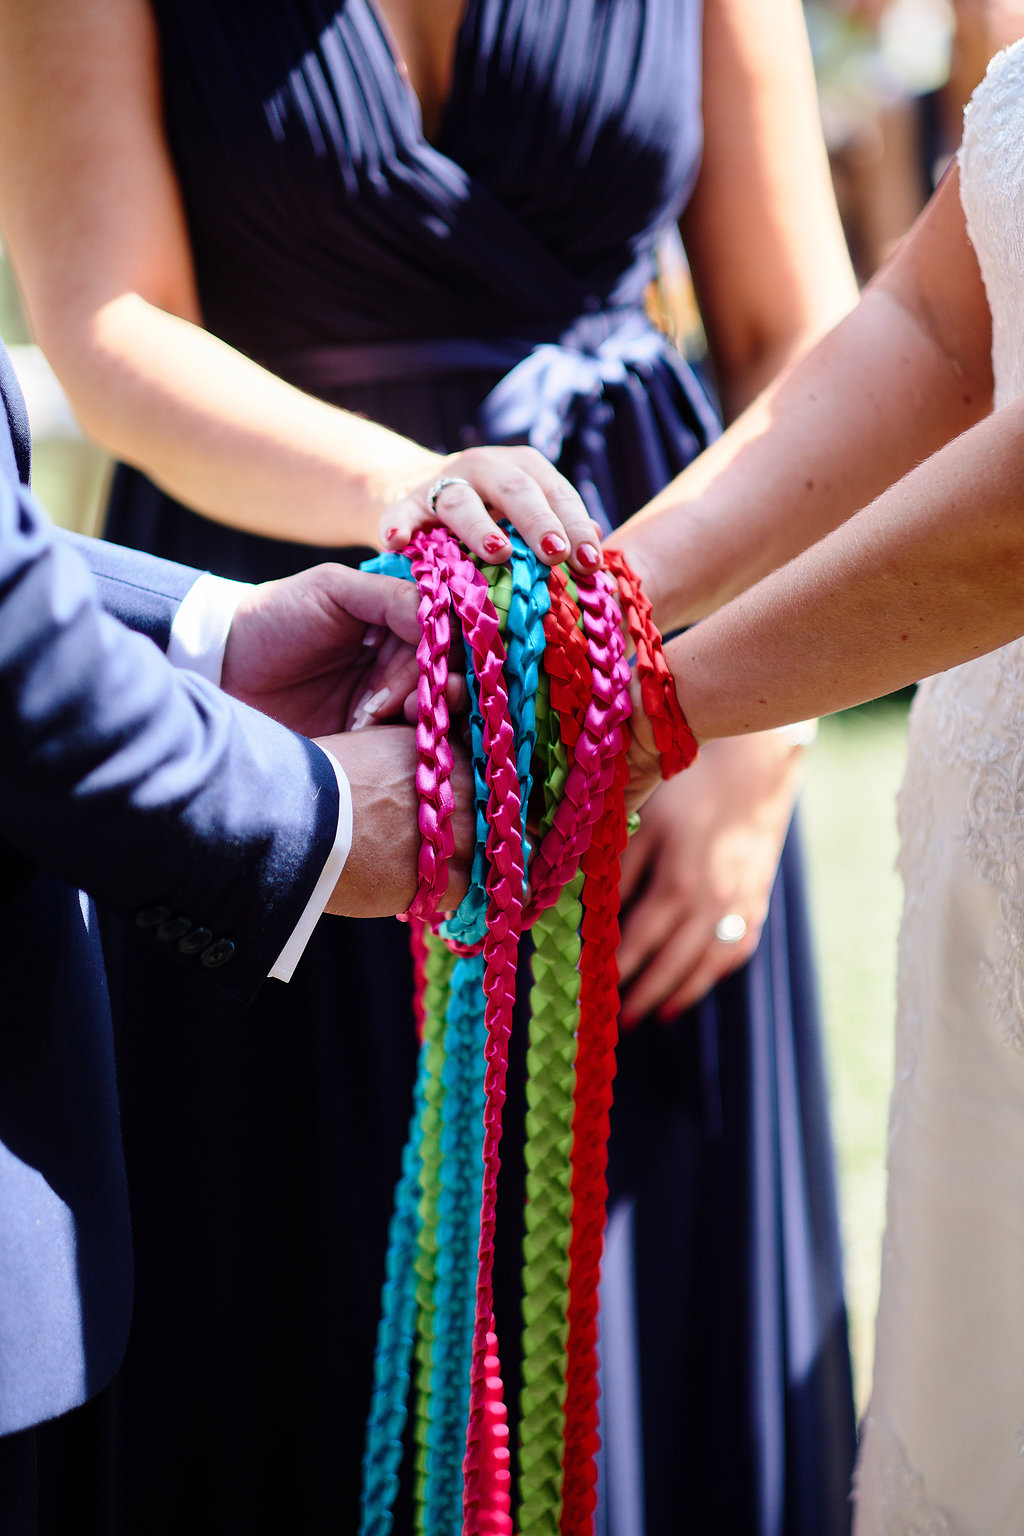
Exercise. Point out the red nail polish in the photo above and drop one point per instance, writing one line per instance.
(495, 543)
(554, 545)
(587, 555)
(389, 534)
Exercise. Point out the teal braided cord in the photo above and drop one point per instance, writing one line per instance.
(457, 1235)
(382, 1458)
(524, 644)
(551, 1053)
(390, 563)
(436, 974)
(462, 1156)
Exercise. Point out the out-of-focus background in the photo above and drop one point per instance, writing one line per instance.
(893, 78)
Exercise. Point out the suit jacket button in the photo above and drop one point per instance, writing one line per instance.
(173, 930)
(152, 917)
(217, 953)
(193, 942)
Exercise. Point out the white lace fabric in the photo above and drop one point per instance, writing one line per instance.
(942, 1449)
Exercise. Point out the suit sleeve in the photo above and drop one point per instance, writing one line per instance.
(143, 591)
(202, 820)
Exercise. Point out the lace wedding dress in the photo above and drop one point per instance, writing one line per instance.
(942, 1451)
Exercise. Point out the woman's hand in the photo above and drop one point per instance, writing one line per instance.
(708, 847)
(470, 492)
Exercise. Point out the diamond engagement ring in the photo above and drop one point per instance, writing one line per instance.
(731, 928)
(441, 485)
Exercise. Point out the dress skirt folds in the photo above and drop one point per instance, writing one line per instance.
(485, 288)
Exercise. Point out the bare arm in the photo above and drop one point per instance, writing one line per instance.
(93, 219)
(772, 273)
(907, 371)
(762, 234)
(928, 576)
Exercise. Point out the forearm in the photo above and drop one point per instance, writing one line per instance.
(898, 378)
(928, 576)
(818, 445)
(222, 434)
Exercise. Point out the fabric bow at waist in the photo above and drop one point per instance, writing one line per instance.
(545, 386)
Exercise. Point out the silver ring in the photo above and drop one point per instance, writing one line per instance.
(441, 485)
(731, 928)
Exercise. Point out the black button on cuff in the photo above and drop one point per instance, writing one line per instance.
(217, 953)
(174, 930)
(193, 942)
(152, 917)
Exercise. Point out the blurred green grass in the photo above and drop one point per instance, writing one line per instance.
(849, 819)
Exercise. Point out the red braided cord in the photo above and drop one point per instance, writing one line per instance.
(675, 741)
(595, 1069)
(557, 859)
(566, 660)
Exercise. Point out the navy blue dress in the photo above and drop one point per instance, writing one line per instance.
(486, 288)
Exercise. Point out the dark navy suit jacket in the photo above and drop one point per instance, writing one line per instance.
(203, 820)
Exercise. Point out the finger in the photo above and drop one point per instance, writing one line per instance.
(648, 924)
(706, 974)
(635, 867)
(545, 508)
(460, 507)
(718, 961)
(456, 692)
(664, 973)
(376, 601)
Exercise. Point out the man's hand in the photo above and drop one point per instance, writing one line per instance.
(379, 878)
(314, 649)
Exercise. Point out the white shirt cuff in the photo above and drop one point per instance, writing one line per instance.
(288, 959)
(199, 632)
(198, 637)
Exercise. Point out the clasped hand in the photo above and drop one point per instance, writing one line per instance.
(331, 649)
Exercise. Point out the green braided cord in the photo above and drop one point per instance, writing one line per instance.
(438, 971)
(551, 1053)
(554, 1009)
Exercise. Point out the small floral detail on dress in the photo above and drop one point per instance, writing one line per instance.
(902, 1507)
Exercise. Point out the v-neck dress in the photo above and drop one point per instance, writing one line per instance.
(486, 288)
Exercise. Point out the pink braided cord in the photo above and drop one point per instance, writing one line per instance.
(556, 860)
(434, 768)
(486, 1496)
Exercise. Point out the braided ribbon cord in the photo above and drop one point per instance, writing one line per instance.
(595, 1070)
(446, 1201)
(550, 1059)
(434, 553)
(675, 741)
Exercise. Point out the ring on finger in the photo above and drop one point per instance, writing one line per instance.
(441, 485)
(731, 928)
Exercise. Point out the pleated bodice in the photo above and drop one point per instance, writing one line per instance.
(572, 135)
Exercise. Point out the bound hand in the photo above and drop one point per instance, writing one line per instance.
(470, 492)
(326, 649)
(379, 878)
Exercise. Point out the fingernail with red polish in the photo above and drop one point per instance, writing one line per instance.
(554, 545)
(495, 543)
(587, 555)
(389, 534)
